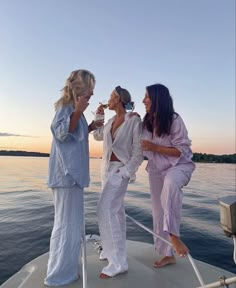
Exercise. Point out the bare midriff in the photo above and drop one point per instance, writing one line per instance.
(114, 158)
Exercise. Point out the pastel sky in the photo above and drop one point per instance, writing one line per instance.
(187, 45)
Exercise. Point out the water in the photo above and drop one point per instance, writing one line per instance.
(26, 211)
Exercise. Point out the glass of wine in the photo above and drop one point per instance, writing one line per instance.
(103, 104)
(101, 115)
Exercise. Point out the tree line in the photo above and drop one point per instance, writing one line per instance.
(197, 157)
(211, 158)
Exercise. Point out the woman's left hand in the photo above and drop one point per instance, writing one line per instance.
(98, 123)
(131, 114)
(148, 146)
(95, 125)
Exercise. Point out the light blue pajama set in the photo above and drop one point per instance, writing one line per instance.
(68, 175)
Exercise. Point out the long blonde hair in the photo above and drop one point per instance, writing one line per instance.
(84, 80)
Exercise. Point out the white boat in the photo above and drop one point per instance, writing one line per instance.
(141, 273)
(186, 273)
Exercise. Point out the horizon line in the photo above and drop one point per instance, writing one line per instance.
(47, 153)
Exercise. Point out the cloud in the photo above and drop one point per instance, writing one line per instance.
(15, 135)
(7, 134)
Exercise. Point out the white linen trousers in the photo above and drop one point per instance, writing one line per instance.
(112, 220)
(166, 196)
(64, 253)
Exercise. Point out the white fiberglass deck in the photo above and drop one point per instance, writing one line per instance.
(141, 273)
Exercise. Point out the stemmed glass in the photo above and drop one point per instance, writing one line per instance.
(98, 116)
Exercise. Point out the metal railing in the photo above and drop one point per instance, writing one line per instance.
(84, 256)
(157, 236)
(223, 282)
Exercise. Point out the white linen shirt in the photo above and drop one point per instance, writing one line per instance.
(126, 145)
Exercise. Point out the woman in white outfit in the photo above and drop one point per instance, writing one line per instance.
(68, 177)
(122, 156)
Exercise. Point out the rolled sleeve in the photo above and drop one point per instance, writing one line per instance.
(61, 124)
(180, 140)
(124, 172)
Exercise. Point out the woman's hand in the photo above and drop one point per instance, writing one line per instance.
(148, 146)
(98, 123)
(100, 110)
(95, 125)
(131, 114)
(170, 151)
(81, 104)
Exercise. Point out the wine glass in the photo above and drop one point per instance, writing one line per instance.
(100, 116)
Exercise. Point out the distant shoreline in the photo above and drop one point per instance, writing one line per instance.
(27, 154)
(23, 153)
(197, 157)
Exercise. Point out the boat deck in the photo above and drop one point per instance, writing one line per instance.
(141, 273)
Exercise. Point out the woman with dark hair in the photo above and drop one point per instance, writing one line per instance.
(166, 144)
(121, 158)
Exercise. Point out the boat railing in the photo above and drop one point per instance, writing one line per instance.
(169, 243)
(84, 256)
(223, 282)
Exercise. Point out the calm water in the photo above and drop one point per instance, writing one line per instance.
(26, 211)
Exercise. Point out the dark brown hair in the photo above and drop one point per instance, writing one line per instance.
(160, 118)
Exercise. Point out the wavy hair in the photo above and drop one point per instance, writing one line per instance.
(160, 118)
(83, 79)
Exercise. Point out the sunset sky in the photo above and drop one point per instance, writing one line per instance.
(187, 45)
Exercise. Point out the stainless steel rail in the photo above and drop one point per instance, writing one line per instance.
(189, 256)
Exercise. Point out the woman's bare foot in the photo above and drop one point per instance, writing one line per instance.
(104, 276)
(102, 256)
(167, 260)
(180, 248)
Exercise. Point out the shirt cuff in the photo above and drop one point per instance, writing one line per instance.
(124, 172)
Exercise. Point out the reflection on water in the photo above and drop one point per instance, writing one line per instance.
(26, 211)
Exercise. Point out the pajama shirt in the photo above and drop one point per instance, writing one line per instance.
(68, 175)
(167, 176)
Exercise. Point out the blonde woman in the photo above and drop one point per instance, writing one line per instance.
(122, 156)
(68, 176)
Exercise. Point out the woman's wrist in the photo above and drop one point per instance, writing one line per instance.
(157, 149)
(91, 127)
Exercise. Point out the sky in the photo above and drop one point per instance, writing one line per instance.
(187, 45)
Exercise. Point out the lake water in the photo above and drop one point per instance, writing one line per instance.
(26, 211)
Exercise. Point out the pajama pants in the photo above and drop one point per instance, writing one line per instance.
(64, 253)
(166, 196)
(112, 221)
